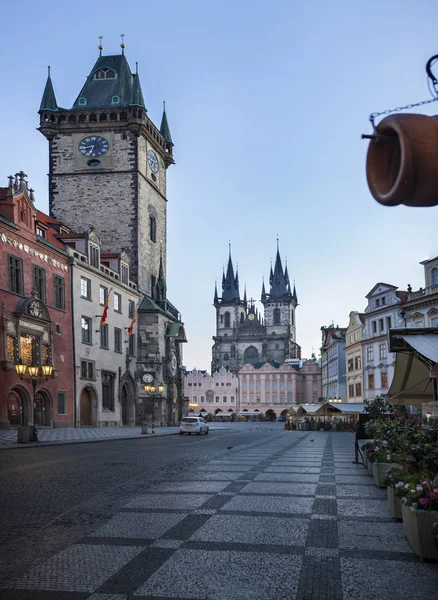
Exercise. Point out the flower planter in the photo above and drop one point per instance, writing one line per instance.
(394, 502)
(417, 527)
(380, 471)
(370, 467)
(365, 459)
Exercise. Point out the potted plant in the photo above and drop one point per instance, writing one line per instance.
(420, 517)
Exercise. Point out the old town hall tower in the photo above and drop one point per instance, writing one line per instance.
(108, 165)
(243, 335)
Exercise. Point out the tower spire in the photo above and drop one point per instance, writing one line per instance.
(216, 297)
(100, 47)
(122, 45)
(48, 101)
(164, 127)
(136, 92)
(230, 282)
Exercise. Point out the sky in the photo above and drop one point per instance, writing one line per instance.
(266, 104)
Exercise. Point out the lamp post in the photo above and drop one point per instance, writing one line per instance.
(151, 392)
(34, 378)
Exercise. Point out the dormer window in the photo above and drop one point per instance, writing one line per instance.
(40, 232)
(105, 74)
(94, 257)
(125, 273)
(115, 100)
(82, 101)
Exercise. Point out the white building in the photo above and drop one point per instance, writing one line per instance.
(211, 394)
(333, 363)
(383, 312)
(104, 354)
(421, 308)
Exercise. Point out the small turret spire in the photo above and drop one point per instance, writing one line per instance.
(48, 101)
(244, 296)
(100, 47)
(216, 297)
(263, 290)
(164, 127)
(136, 92)
(122, 45)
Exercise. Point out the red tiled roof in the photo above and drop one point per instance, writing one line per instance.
(109, 255)
(40, 216)
(71, 236)
(362, 317)
(51, 233)
(3, 193)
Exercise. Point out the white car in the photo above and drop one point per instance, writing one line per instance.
(193, 425)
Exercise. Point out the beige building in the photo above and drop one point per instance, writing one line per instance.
(353, 357)
(105, 355)
(211, 394)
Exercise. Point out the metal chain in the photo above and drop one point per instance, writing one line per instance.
(398, 109)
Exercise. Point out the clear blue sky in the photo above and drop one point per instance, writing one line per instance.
(266, 104)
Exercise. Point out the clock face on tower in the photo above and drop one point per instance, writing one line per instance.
(251, 316)
(93, 146)
(153, 161)
(173, 365)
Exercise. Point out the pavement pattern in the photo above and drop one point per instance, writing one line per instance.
(285, 516)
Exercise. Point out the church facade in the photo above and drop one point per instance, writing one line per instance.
(107, 173)
(243, 334)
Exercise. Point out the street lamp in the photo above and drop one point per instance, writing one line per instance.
(151, 391)
(34, 378)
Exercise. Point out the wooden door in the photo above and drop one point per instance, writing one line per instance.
(85, 408)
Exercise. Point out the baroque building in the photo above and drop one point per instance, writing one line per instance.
(243, 335)
(107, 171)
(353, 357)
(333, 363)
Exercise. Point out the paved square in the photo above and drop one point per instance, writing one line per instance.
(293, 477)
(363, 508)
(294, 489)
(270, 504)
(138, 525)
(169, 501)
(287, 531)
(191, 486)
(225, 576)
(79, 568)
(372, 536)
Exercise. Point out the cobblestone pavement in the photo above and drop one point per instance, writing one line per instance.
(70, 435)
(274, 515)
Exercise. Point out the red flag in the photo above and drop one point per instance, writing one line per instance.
(131, 327)
(105, 310)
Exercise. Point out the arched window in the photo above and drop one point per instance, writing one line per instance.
(102, 117)
(152, 228)
(82, 101)
(435, 276)
(277, 316)
(115, 100)
(72, 119)
(105, 73)
(82, 118)
(227, 319)
(113, 117)
(226, 357)
(251, 355)
(93, 118)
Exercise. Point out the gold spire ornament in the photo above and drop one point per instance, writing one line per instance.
(100, 47)
(122, 45)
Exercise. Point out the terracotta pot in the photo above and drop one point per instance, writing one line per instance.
(380, 471)
(402, 166)
(394, 502)
(417, 527)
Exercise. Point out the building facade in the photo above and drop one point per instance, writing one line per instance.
(353, 357)
(211, 394)
(36, 313)
(385, 310)
(104, 304)
(421, 306)
(108, 169)
(333, 363)
(243, 335)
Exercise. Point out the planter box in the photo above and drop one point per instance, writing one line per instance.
(394, 502)
(417, 527)
(380, 471)
(370, 468)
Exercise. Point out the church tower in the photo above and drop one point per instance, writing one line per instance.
(230, 313)
(108, 165)
(279, 312)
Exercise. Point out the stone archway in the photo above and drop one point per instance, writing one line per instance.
(19, 407)
(43, 408)
(271, 414)
(127, 401)
(87, 407)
